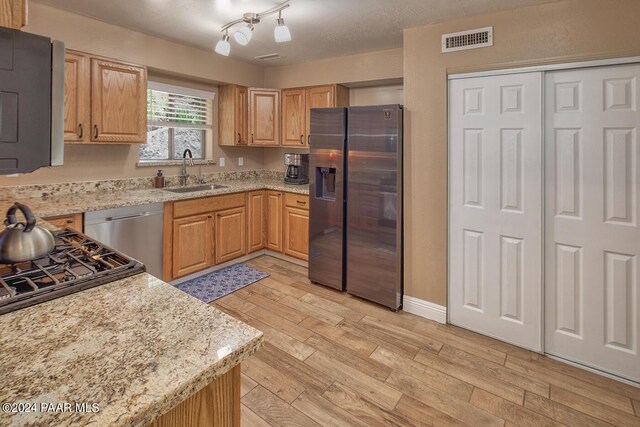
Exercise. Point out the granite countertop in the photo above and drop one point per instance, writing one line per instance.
(89, 200)
(135, 347)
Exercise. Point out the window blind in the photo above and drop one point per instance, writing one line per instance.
(166, 107)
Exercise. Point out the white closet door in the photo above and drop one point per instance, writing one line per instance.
(495, 207)
(592, 235)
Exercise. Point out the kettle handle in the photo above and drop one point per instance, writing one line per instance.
(11, 216)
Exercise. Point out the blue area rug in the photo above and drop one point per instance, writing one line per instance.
(212, 286)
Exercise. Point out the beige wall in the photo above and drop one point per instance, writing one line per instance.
(556, 32)
(370, 66)
(376, 95)
(189, 64)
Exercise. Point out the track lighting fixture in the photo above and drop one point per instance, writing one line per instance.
(243, 35)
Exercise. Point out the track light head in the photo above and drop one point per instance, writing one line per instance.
(281, 32)
(223, 47)
(243, 35)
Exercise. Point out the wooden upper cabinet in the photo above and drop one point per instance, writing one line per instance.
(230, 237)
(264, 117)
(274, 221)
(76, 97)
(327, 96)
(294, 117)
(118, 102)
(13, 13)
(233, 112)
(256, 220)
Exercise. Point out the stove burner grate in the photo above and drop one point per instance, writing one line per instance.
(77, 263)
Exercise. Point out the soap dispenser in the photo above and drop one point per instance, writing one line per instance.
(158, 180)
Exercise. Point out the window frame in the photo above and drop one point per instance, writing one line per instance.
(172, 126)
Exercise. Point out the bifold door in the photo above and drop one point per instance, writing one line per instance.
(592, 206)
(495, 207)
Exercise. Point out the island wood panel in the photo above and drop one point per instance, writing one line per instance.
(296, 232)
(256, 220)
(76, 96)
(218, 404)
(13, 13)
(207, 204)
(230, 226)
(73, 221)
(264, 117)
(274, 220)
(192, 248)
(294, 118)
(118, 102)
(233, 111)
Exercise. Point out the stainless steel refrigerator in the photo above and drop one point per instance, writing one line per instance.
(355, 191)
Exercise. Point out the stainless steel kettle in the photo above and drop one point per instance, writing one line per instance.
(21, 242)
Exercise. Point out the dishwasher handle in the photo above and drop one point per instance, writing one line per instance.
(118, 218)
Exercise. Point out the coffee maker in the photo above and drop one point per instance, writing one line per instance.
(297, 168)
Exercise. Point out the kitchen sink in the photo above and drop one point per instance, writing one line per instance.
(197, 188)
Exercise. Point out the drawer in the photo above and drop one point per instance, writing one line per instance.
(73, 221)
(299, 201)
(208, 204)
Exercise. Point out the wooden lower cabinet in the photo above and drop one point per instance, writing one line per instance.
(192, 248)
(230, 234)
(203, 232)
(256, 220)
(217, 404)
(73, 221)
(274, 220)
(296, 232)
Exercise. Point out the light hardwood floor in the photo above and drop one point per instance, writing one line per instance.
(335, 360)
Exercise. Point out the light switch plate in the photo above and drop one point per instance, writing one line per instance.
(240, 161)
(221, 162)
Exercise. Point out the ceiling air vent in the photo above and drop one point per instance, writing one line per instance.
(471, 39)
(269, 57)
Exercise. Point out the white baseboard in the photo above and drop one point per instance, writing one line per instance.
(425, 309)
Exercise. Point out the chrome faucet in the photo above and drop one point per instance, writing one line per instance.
(183, 171)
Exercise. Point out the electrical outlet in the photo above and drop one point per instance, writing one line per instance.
(221, 162)
(240, 161)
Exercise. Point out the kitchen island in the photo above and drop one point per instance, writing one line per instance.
(136, 351)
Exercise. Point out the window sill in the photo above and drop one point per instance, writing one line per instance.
(156, 163)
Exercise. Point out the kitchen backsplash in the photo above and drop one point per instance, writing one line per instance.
(43, 190)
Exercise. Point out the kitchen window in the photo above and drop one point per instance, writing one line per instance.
(177, 118)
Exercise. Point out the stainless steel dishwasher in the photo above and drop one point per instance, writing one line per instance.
(135, 230)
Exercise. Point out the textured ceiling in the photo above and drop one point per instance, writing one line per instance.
(319, 28)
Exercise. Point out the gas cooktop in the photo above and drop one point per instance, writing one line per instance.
(77, 263)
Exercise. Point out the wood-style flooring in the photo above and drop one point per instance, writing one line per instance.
(331, 359)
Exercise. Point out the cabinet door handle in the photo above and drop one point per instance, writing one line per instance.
(239, 138)
(96, 131)
(301, 139)
(69, 221)
(208, 216)
(300, 202)
(308, 139)
(252, 138)
(80, 130)
(218, 215)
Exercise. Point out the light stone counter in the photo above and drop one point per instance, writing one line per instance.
(92, 200)
(136, 347)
